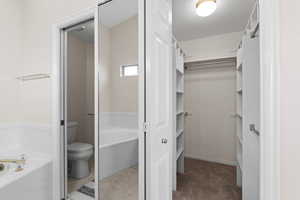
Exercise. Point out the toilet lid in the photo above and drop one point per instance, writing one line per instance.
(75, 147)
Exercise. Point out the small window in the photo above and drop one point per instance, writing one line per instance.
(129, 70)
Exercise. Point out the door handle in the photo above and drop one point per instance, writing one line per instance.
(164, 141)
(253, 129)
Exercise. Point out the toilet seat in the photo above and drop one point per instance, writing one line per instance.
(79, 147)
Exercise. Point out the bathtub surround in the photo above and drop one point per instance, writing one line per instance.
(23, 138)
(34, 182)
(118, 142)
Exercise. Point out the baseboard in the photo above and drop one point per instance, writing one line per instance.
(224, 162)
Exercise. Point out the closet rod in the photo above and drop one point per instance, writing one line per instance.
(210, 64)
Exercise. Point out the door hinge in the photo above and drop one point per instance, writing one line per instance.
(62, 122)
(146, 126)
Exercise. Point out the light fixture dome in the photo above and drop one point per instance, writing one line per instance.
(205, 8)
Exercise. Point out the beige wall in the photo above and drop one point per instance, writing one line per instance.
(217, 46)
(290, 99)
(105, 70)
(81, 87)
(11, 14)
(38, 19)
(124, 50)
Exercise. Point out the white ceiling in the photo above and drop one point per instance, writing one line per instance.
(230, 16)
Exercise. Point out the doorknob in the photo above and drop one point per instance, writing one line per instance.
(164, 141)
(253, 129)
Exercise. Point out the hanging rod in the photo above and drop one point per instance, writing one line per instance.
(30, 77)
(211, 64)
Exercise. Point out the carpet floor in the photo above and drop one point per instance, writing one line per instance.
(206, 181)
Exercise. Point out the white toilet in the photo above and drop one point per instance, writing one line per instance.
(79, 154)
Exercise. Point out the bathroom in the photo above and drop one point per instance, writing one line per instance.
(99, 119)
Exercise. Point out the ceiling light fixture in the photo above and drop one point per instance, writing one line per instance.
(205, 8)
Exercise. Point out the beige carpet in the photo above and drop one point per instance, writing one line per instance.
(120, 186)
(206, 181)
(201, 181)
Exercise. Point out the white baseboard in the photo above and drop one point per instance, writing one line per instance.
(225, 162)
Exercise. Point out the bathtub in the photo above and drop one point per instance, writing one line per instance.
(33, 183)
(118, 150)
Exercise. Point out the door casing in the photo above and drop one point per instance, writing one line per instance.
(270, 129)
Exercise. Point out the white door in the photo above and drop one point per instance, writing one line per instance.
(158, 99)
(251, 110)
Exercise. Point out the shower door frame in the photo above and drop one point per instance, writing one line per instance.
(59, 125)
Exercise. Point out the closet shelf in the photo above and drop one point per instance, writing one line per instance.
(179, 71)
(179, 132)
(179, 152)
(179, 112)
(239, 160)
(240, 67)
(240, 139)
(239, 115)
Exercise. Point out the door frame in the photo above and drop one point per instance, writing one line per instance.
(270, 100)
(56, 96)
(270, 128)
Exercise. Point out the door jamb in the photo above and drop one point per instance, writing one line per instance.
(270, 146)
(56, 96)
(270, 100)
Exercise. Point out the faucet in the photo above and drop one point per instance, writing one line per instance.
(20, 161)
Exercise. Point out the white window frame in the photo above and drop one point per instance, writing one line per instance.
(123, 70)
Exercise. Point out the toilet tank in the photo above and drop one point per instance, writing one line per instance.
(72, 131)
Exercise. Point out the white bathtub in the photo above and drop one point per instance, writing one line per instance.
(33, 183)
(118, 150)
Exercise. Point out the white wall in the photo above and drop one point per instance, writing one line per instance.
(10, 55)
(39, 17)
(289, 99)
(210, 97)
(210, 130)
(218, 46)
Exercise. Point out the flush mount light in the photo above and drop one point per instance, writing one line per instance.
(205, 8)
